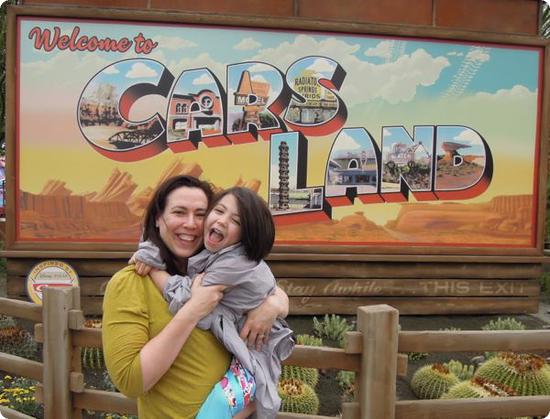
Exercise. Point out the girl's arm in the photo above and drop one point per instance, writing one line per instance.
(160, 278)
(258, 323)
(146, 258)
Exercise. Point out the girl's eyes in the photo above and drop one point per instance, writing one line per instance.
(236, 221)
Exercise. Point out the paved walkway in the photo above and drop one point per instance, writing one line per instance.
(543, 313)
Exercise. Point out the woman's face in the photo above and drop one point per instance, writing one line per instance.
(222, 227)
(181, 223)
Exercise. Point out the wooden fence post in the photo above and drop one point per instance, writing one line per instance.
(57, 303)
(379, 325)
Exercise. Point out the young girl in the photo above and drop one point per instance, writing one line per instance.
(238, 234)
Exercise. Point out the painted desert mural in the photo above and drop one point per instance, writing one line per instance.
(352, 139)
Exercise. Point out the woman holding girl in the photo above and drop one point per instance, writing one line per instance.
(163, 360)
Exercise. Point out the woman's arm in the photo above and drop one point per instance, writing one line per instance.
(136, 362)
(158, 355)
(259, 320)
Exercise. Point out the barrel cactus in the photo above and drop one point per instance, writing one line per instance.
(310, 376)
(92, 358)
(478, 388)
(17, 341)
(431, 381)
(526, 374)
(297, 397)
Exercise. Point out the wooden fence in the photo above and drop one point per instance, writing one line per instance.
(374, 352)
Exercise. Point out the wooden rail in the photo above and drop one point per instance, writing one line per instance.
(372, 352)
(21, 309)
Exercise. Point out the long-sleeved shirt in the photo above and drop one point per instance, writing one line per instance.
(134, 312)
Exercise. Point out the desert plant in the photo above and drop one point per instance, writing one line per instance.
(6, 321)
(92, 358)
(308, 340)
(526, 374)
(18, 394)
(331, 329)
(507, 323)
(545, 278)
(346, 381)
(477, 388)
(17, 341)
(462, 371)
(431, 381)
(297, 397)
(309, 376)
(417, 356)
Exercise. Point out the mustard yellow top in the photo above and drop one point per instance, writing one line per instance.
(133, 313)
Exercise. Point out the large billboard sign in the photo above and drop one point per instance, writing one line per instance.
(352, 139)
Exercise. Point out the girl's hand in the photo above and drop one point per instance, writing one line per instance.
(140, 267)
(257, 327)
(203, 299)
(255, 331)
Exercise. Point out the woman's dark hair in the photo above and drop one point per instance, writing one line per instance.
(257, 228)
(174, 265)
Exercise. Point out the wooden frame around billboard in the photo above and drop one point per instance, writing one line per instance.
(396, 142)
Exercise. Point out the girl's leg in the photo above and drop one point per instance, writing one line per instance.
(232, 395)
(246, 412)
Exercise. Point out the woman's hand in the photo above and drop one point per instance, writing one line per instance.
(203, 299)
(257, 327)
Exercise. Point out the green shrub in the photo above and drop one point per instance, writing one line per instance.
(507, 323)
(308, 340)
(6, 321)
(346, 381)
(417, 356)
(17, 341)
(331, 329)
(545, 278)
